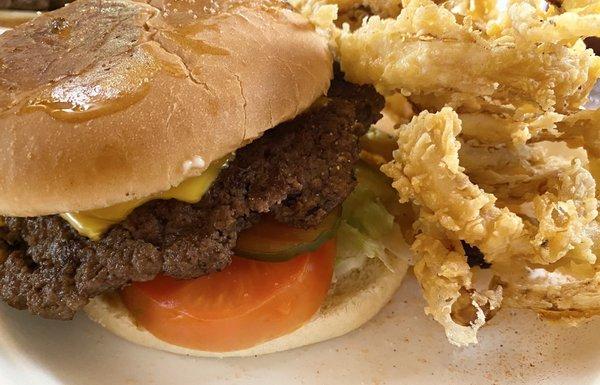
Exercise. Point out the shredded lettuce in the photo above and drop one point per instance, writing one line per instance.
(368, 229)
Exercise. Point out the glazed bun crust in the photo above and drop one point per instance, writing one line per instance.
(352, 301)
(106, 101)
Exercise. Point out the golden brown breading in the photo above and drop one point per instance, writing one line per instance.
(502, 156)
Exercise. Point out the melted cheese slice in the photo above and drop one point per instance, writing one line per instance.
(94, 223)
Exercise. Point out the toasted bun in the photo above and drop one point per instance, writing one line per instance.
(352, 301)
(106, 101)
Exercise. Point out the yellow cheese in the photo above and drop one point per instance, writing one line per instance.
(94, 223)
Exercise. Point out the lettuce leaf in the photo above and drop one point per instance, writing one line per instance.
(368, 229)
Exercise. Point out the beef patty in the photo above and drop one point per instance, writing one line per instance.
(298, 171)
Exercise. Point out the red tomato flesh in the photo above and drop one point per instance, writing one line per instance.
(247, 303)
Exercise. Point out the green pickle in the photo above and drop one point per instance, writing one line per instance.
(272, 241)
(371, 202)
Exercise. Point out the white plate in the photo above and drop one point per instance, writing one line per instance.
(594, 98)
(400, 346)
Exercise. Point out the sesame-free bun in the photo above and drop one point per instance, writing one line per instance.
(106, 101)
(351, 302)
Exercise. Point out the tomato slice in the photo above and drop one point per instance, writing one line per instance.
(247, 303)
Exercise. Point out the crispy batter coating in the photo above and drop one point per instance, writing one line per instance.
(446, 280)
(553, 223)
(502, 155)
(428, 54)
(426, 171)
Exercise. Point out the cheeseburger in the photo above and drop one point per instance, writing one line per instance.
(187, 173)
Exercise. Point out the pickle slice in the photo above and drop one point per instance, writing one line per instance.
(272, 241)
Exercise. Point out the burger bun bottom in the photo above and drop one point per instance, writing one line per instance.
(351, 302)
